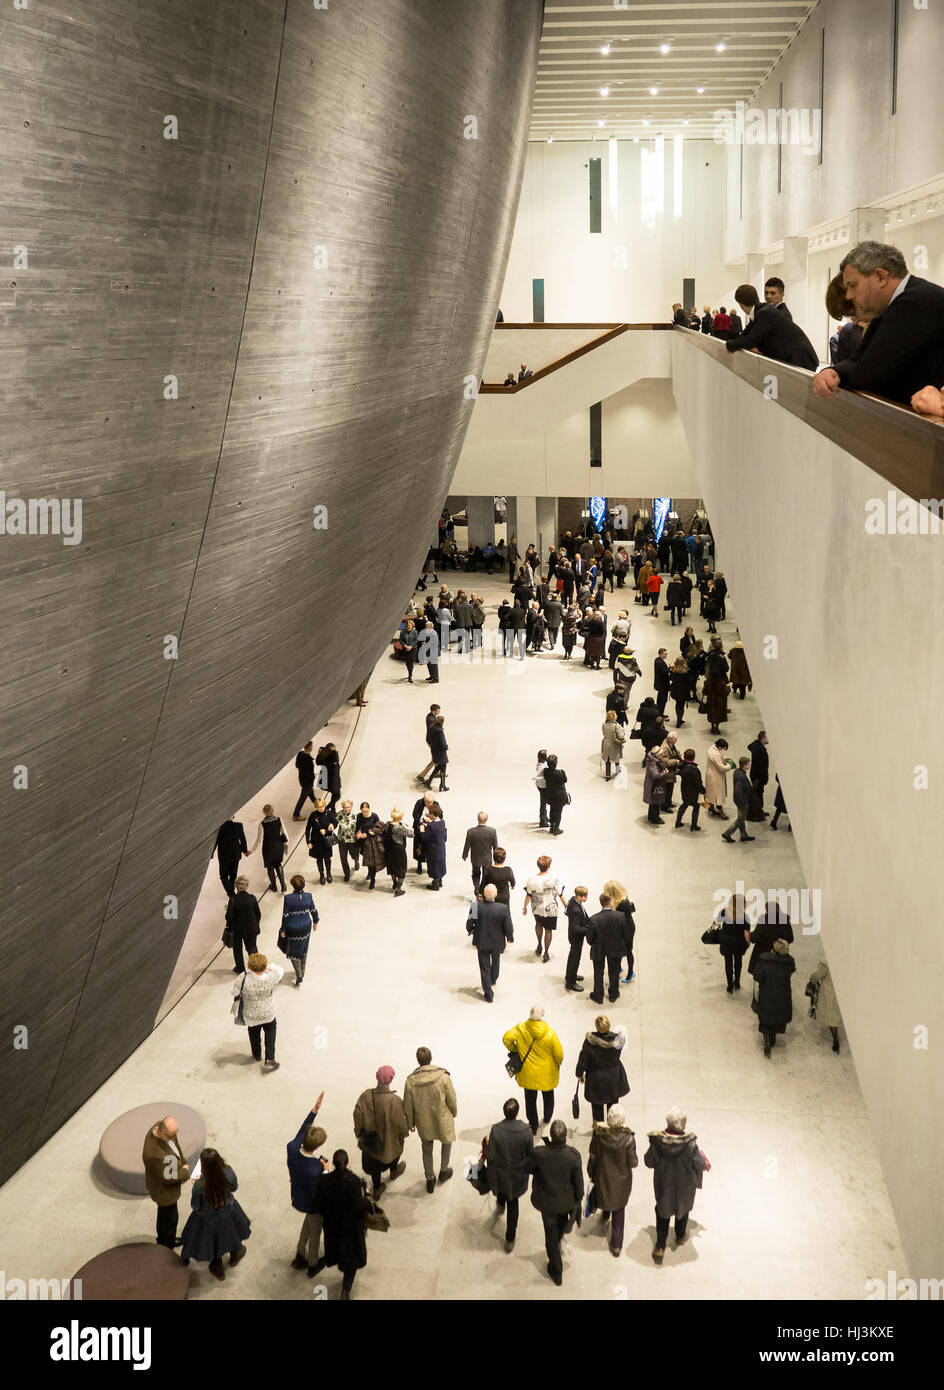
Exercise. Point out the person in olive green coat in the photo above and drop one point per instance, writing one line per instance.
(541, 1055)
(429, 1103)
(610, 1168)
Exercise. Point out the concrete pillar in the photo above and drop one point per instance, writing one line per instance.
(481, 512)
(793, 274)
(866, 224)
(526, 522)
(547, 524)
(754, 271)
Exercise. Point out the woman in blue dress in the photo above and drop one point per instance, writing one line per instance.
(217, 1224)
(299, 917)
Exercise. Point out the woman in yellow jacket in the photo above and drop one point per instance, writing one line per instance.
(541, 1055)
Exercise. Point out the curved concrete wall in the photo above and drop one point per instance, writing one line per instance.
(316, 259)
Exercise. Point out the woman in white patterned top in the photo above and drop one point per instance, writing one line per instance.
(543, 893)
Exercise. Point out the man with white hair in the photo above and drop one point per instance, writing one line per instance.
(678, 1164)
(490, 927)
(480, 841)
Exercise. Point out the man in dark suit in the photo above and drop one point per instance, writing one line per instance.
(610, 940)
(230, 846)
(742, 800)
(489, 925)
(760, 775)
(577, 923)
(552, 616)
(903, 347)
(430, 721)
(439, 751)
(662, 679)
(306, 778)
(509, 1157)
(427, 652)
(479, 843)
(771, 333)
(774, 290)
(556, 1192)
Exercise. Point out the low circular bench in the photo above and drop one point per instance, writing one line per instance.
(123, 1140)
(131, 1272)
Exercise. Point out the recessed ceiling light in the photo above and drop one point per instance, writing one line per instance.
(550, 139)
(653, 91)
(605, 49)
(720, 47)
(665, 48)
(699, 90)
(645, 120)
(685, 120)
(601, 122)
(604, 91)
(635, 139)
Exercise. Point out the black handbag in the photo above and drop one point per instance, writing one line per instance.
(516, 1061)
(575, 1104)
(227, 936)
(592, 1203)
(712, 936)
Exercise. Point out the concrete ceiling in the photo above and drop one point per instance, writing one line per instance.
(572, 69)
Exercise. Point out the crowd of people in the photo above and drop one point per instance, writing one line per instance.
(558, 601)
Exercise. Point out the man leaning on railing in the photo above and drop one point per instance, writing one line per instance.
(902, 353)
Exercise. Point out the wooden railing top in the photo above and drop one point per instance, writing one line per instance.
(904, 448)
(610, 331)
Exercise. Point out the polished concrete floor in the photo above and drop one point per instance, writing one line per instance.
(795, 1205)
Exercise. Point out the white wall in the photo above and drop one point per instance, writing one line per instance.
(852, 705)
(645, 453)
(867, 153)
(632, 271)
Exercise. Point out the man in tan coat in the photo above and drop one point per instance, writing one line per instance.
(380, 1127)
(165, 1172)
(429, 1102)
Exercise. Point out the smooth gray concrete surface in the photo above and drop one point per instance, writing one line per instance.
(837, 622)
(316, 258)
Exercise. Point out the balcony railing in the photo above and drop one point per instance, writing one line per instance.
(904, 448)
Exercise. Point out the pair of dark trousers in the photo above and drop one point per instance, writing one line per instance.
(554, 1228)
(662, 1229)
(676, 612)
(229, 868)
(531, 1108)
(573, 962)
(662, 699)
(555, 811)
(552, 635)
(409, 656)
(542, 806)
(617, 1226)
(477, 872)
(740, 824)
(167, 1225)
(679, 713)
(439, 770)
(250, 942)
(307, 794)
(433, 670)
(732, 966)
(612, 965)
(255, 1041)
(510, 1207)
(272, 870)
(679, 819)
(375, 1169)
(598, 1112)
(489, 963)
(346, 851)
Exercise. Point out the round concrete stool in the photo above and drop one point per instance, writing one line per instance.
(131, 1272)
(123, 1140)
